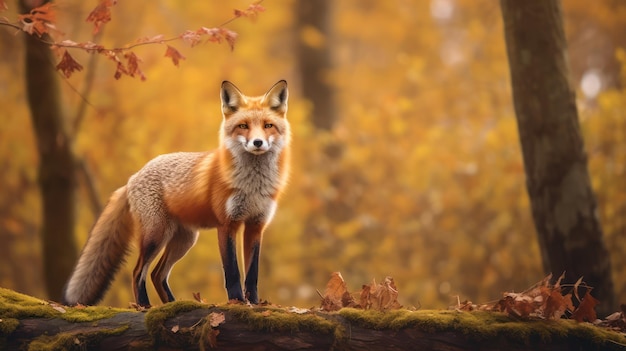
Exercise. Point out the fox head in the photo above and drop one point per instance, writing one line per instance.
(254, 124)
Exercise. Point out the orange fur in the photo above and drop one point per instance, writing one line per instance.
(175, 194)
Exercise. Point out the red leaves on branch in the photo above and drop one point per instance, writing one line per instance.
(39, 21)
(251, 12)
(214, 35)
(174, 55)
(133, 65)
(130, 69)
(101, 14)
(68, 65)
(220, 34)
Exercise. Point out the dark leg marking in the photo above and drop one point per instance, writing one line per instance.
(231, 271)
(252, 276)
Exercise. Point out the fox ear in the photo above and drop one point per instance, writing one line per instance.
(277, 97)
(231, 97)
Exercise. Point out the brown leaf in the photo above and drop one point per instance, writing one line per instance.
(154, 39)
(365, 297)
(133, 65)
(217, 35)
(334, 293)
(136, 307)
(556, 304)
(196, 296)
(58, 307)
(576, 285)
(174, 55)
(191, 37)
(466, 305)
(381, 297)
(101, 14)
(40, 20)
(68, 65)
(215, 319)
(251, 12)
(586, 310)
(230, 37)
(298, 310)
(175, 329)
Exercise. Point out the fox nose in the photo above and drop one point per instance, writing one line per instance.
(257, 142)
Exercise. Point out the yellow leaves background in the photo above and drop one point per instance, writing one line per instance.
(421, 178)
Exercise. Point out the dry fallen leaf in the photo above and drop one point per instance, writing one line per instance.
(334, 293)
(373, 296)
(196, 296)
(215, 319)
(58, 307)
(586, 309)
(175, 329)
(136, 307)
(297, 310)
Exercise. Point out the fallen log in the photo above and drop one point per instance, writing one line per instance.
(33, 324)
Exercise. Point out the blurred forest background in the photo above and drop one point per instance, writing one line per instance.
(410, 167)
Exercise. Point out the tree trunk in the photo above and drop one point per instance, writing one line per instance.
(56, 164)
(315, 61)
(563, 204)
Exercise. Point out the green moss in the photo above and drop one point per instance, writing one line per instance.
(70, 340)
(156, 316)
(8, 325)
(16, 305)
(479, 326)
(273, 319)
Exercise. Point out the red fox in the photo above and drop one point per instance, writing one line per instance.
(175, 194)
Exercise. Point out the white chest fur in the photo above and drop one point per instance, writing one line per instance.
(256, 181)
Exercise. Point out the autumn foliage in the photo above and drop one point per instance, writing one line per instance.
(41, 21)
(421, 178)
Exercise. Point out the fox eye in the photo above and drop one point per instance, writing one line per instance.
(243, 126)
(268, 125)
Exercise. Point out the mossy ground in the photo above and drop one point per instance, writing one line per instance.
(275, 319)
(156, 316)
(15, 306)
(480, 326)
(476, 326)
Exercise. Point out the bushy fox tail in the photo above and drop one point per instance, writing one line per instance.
(103, 254)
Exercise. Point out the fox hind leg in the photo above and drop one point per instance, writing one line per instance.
(182, 241)
(152, 240)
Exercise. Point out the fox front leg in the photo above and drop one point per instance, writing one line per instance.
(226, 239)
(252, 236)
